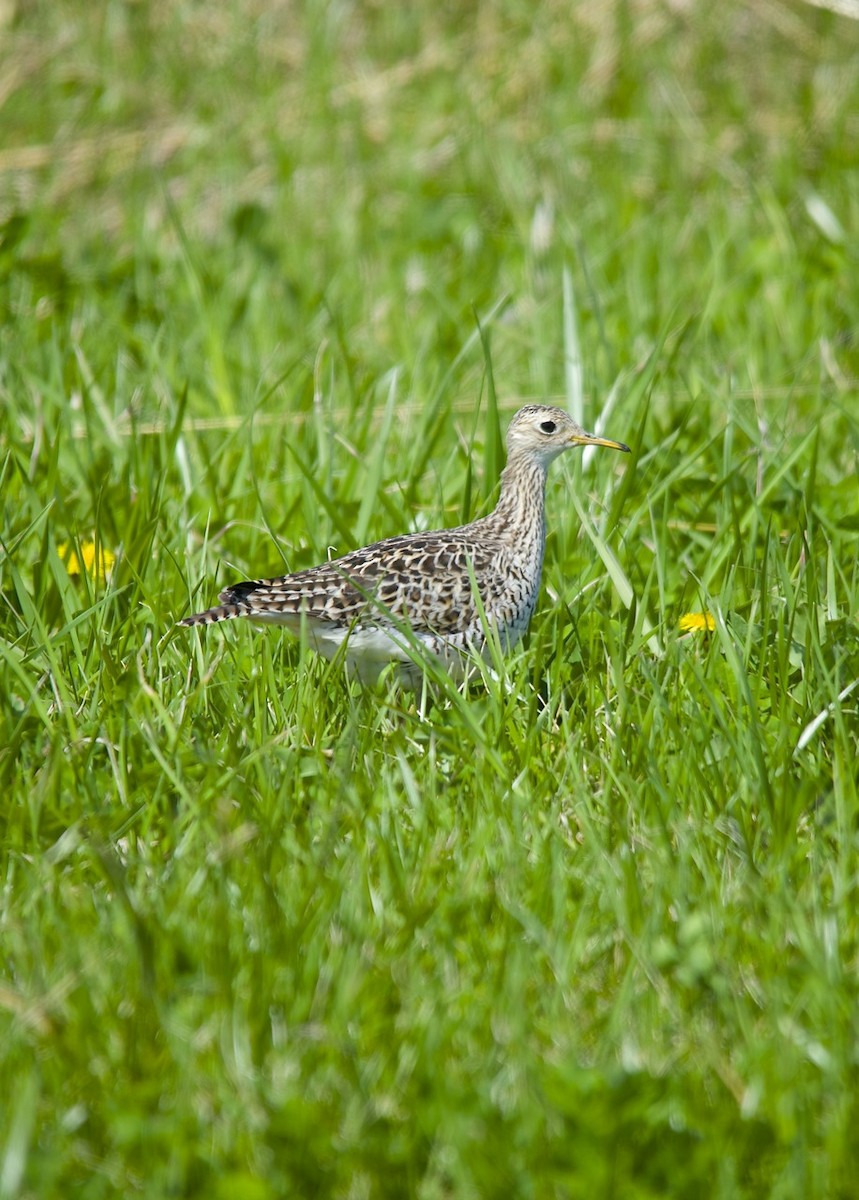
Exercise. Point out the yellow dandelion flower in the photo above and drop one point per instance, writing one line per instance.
(697, 622)
(95, 561)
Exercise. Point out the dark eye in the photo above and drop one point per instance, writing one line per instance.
(548, 426)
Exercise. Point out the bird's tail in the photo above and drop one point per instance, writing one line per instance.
(222, 612)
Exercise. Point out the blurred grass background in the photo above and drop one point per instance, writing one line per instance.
(589, 930)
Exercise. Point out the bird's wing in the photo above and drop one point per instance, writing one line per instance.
(423, 579)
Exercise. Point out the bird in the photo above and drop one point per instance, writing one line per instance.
(439, 593)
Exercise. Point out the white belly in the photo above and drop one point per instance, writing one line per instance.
(371, 648)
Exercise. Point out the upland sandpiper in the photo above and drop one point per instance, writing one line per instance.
(387, 600)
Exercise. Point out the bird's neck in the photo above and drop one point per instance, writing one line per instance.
(520, 515)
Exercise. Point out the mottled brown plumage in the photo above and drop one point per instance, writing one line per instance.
(421, 585)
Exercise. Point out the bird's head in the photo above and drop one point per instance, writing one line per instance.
(545, 432)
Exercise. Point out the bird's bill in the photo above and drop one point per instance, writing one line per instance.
(591, 439)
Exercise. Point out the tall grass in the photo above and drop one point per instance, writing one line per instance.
(274, 280)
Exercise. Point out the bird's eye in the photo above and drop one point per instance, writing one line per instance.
(548, 426)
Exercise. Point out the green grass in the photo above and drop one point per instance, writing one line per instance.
(585, 929)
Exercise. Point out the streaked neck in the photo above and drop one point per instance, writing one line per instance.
(520, 511)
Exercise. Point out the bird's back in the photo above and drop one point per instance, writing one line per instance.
(426, 580)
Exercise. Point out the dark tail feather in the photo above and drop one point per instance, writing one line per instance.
(238, 593)
(234, 603)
